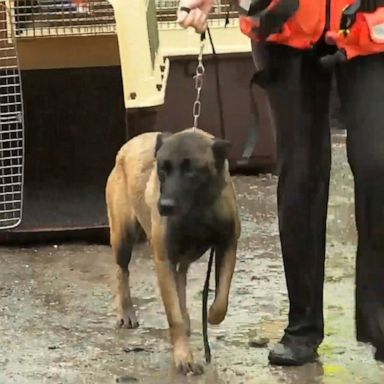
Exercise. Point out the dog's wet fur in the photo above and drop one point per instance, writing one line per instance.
(177, 188)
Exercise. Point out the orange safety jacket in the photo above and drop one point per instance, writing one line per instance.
(313, 18)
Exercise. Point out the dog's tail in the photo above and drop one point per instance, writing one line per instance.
(207, 349)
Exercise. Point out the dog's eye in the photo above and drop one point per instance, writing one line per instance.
(185, 165)
(165, 167)
(187, 170)
(163, 170)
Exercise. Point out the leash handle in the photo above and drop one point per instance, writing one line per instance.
(199, 76)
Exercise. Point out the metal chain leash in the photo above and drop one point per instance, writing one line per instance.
(199, 77)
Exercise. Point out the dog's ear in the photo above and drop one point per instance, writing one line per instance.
(220, 149)
(160, 140)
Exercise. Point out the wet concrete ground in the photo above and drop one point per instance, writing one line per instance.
(56, 308)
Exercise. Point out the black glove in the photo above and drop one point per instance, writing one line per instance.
(370, 6)
(349, 14)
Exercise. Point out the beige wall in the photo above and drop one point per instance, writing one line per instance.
(96, 51)
(68, 52)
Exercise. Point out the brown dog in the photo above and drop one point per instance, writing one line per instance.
(178, 189)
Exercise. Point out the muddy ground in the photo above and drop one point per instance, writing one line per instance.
(56, 312)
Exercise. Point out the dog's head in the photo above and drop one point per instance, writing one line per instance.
(190, 167)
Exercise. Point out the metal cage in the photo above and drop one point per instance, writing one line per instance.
(166, 11)
(11, 126)
(44, 18)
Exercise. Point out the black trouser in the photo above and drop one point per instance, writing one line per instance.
(299, 91)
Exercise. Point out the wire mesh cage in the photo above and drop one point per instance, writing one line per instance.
(11, 127)
(166, 13)
(167, 9)
(48, 18)
(42, 18)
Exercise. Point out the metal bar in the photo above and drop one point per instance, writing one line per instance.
(9, 203)
(9, 220)
(11, 158)
(3, 194)
(9, 115)
(8, 85)
(9, 211)
(11, 140)
(14, 76)
(12, 202)
(8, 58)
(9, 104)
(10, 184)
(12, 166)
(11, 149)
(11, 94)
(9, 176)
(10, 131)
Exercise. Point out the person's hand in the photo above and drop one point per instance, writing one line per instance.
(194, 13)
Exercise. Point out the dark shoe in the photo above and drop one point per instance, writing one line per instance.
(292, 354)
(379, 354)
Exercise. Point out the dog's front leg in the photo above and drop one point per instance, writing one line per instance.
(225, 266)
(181, 282)
(166, 274)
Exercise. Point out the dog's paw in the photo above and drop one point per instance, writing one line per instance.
(127, 320)
(185, 365)
(188, 367)
(216, 314)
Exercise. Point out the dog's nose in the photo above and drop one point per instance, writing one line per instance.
(166, 207)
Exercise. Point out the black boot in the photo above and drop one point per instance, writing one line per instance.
(293, 351)
(379, 354)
